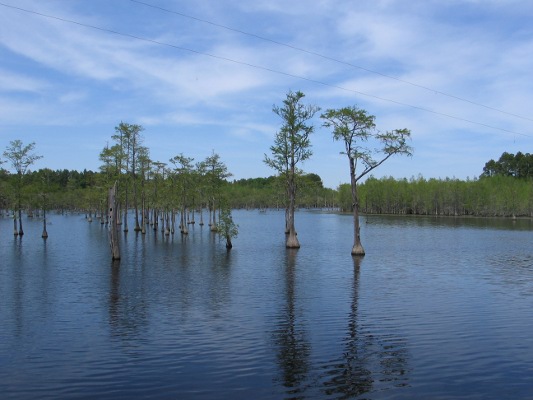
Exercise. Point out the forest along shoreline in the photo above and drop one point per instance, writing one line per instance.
(496, 195)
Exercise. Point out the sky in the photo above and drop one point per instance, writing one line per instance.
(203, 76)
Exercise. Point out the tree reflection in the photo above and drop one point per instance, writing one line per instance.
(290, 337)
(350, 377)
(127, 307)
(369, 362)
(18, 286)
(218, 280)
(114, 294)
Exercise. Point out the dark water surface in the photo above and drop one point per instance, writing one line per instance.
(438, 309)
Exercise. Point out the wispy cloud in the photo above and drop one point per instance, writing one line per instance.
(11, 81)
(56, 72)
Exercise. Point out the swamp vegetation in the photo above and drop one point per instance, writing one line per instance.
(175, 194)
(85, 191)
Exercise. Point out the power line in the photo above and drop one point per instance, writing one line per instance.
(152, 41)
(313, 53)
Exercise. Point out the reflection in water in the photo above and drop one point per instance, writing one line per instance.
(350, 377)
(369, 362)
(179, 317)
(432, 222)
(219, 282)
(18, 285)
(114, 294)
(127, 306)
(290, 337)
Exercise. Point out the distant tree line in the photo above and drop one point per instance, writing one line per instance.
(501, 190)
(65, 189)
(504, 189)
(495, 196)
(269, 192)
(72, 190)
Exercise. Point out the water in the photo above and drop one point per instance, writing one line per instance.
(438, 309)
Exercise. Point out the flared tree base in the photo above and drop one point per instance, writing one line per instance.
(357, 250)
(292, 241)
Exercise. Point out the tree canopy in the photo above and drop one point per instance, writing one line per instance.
(517, 165)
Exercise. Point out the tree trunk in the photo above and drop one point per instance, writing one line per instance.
(287, 221)
(214, 223)
(113, 228)
(126, 206)
(287, 207)
(229, 245)
(45, 233)
(143, 215)
(357, 249)
(184, 229)
(292, 240)
(137, 227)
(15, 230)
(21, 232)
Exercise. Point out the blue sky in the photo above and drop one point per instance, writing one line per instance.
(412, 64)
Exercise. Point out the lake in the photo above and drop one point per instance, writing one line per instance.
(437, 309)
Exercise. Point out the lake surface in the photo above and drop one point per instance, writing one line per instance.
(437, 309)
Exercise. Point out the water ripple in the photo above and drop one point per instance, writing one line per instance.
(434, 310)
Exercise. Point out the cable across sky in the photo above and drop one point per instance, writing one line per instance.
(313, 53)
(271, 70)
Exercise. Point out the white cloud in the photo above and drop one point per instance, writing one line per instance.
(70, 75)
(11, 81)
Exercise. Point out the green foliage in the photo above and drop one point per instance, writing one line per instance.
(345, 197)
(271, 192)
(291, 147)
(354, 126)
(226, 227)
(182, 175)
(487, 196)
(20, 156)
(497, 196)
(504, 188)
(350, 125)
(292, 144)
(518, 166)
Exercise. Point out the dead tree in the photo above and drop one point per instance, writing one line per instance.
(113, 219)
